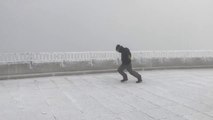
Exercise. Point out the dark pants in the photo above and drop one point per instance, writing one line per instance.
(129, 69)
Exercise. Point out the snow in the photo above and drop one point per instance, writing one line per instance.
(163, 95)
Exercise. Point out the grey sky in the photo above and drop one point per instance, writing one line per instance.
(97, 25)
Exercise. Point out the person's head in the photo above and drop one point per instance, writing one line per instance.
(118, 48)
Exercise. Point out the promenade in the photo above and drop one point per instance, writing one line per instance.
(185, 94)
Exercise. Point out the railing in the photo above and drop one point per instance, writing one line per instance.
(18, 65)
(106, 55)
(56, 56)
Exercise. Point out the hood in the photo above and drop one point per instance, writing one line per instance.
(119, 48)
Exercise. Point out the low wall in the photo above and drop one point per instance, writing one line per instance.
(94, 64)
(35, 69)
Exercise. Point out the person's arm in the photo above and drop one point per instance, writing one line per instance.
(129, 54)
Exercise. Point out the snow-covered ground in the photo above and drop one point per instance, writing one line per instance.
(163, 95)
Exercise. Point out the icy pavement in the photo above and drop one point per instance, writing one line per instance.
(164, 95)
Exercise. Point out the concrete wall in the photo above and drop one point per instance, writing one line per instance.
(29, 69)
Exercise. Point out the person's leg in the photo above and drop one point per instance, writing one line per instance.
(134, 73)
(121, 71)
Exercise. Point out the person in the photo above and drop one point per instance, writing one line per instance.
(126, 64)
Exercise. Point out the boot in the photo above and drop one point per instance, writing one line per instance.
(124, 80)
(139, 80)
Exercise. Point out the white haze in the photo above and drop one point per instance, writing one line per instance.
(98, 25)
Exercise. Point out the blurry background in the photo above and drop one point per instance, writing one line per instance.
(98, 25)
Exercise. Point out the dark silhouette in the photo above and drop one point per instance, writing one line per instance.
(126, 64)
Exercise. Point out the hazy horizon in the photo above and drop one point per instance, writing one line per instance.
(98, 25)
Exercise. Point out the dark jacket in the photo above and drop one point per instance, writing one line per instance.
(125, 55)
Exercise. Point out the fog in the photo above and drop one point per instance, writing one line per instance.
(98, 25)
